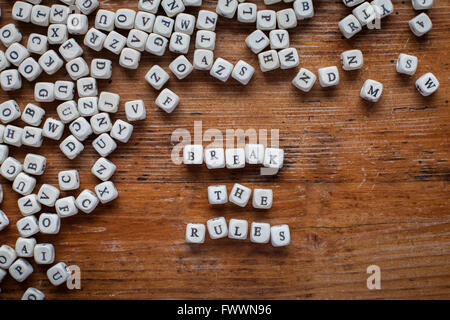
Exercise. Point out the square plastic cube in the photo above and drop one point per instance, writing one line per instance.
(206, 20)
(70, 50)
(58, 274)
(157, 77)
(135, 110)
(268, 60)
(87, 201)
(279, 39)
(48, 195)
(103, 169)
(221, 69)
(254, 153)
(238, 229)
(167, 100)
(77, 24)
(217, 228)
(71, 147)
(68, 180)
(371, 90)
(195, 233)
(130, 58)
(156, 44)
(240, 195)
(280, 235)
(193, 154)
(20, 270)
(29, 205)
(427, 84)
(25, 247)
(115, 42)
(106, 192)
(37, 43)
(101, 68)
(407, 64)
(65, 207)
(34, 164)
(243, 72)
(217, 194)
(273, 158)
(328, 76)
(81, 129)
(49, 223)
(260, 232)
(67, 111)
(215, 158)
(27, 226)
(352, 60)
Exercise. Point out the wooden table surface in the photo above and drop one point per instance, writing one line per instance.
(362, 184)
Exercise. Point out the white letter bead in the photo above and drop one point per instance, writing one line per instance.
(37, 43)
(49, 223)
(235, 158)
(167, 100)
(217, 228)
(365, 13)
(25, 247)
(268, 60)
(88, 106)
(181, 67)
(7, 256)
(44, 92)
(149, 5)
(240, 195)
(4, 152)
(407, 64)
(163, 26)
(20, 270)
(205, 39)
(28, 226)
(101, 68)
(427, 84)
(64, 90)
(29, 205)
(179, 42)
(103, 169)
(57, 33)
(33, 294)
(172, 7)
(87, 201)
(10, 80)
(21, 11)
(70, 50)
(87, 6)
(81, 129)
(144, 21)
(16, 53)
(58, 274)
(156, 44)
(217, 194)
(40, 15)
(304, 80)
(130, 58)
(4, 221)
(286, 19)
(4, 63)
(108, 102)
(371, 90)
(206, 20)
(135, 110)
(266, 20)
(67, 111)
(350, 26)
(87, 87)
(243, 72)
(59, 13)
(254, 153)
(221, 69)
(185, 23)
(352, 60)
(77, 68)
(280, 235)
(71, 147)
(227, 8)
(328, 76)
(115, 42)
(24, 184)
(13, 135)
(121, 131)
(288, 58)
(9, 111)
(124, 19)
(273, 158)
(422, 4)
(137, 39)
(262, 198)
(106, 192)
(104, 145)
(420, 24)
(193, 154)
(94, 39)
(238, 229)
(77, 24)
(157, 77)
(104, 20)
(279, 39)
(9, 34)
(50, 62)
(101, 123)
(53, 129)
(44, 253)
(34, 164)
(304, 9)
(195, 233)
(203, 59)
(246, 12)
(68, 180)
(260, 232)
(384, 7)
(215, 158)
(48, 195)
(65, 207)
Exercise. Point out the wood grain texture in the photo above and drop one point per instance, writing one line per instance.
(362, 184)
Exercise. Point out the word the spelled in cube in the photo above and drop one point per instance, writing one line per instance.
(215, 158)
(235, 158)
(273, 158)
(217, 228)
(195, 233)
(193, 154)
(240, 195)
(217, 194)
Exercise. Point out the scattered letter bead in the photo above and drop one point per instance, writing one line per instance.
(53, 129)
(350, 26)
(304, 9)
(4, 221)
(108, 102)
(57, 34)
(70, 50)
(121, 131)
(106, 192)
(260, 232)
(328, 76)
(246, 12)
(135, 110)
(40, 15)
(257, 41)
(25, 247)
(88, 106)
(407, 64)
(215, 158)
(10, 168)
(104, 20)
(205, 39)
(28, 226)
(383, 7)
(24, 184)
(217, 228)
(280, 235)
(9, 34)
(195, 233)
(58, 274)
(64, 90)
(34, 164)
(44, 92)
(137, 39)
(13, 135)
(10, 80)
(94, 39)
(227, 8)
(254, 153)
(172, 7)
(240, 195)
(156, 44)
(44, 253)
(101, 68)
(279, 39)
(181, 67)
(71, 147)
(130, 58)
(206, 20)
(149, 5)
(288, 58)
(365, 13)
(238, 229)
(48, 195)
(65, 207)
(49, 223)
(217, 194)
(101, 123)
(32, 137)
(33, 294)
(124, 19)
(304, 80)
(103, 169)
(167, 100)
(420, 24)
(20, 270)
(422, 4)
(163, 26)
(266, 20)
(286, 19)
(50, 62)
(185, 23)
(371, 90)
(81, 129)
(30, 69)
(21, 11)
(77, 24)
(7, 256)
(268, 60)
(352, 60)
(273, 158)
(68, 180)
(157, 77)
(37, 43)
(9, 111)
(87, 6)
(221, 69)
(179, 42)
(16, 53)
(203, 59)
(427, 84)
(193, 154)
(104, 145)
(115, 42)
(59, 13)
(144, 21)
(29, 205)
(243, 72)
(87, 201)
(262, 198)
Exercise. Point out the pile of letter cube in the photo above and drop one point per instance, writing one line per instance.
(156, 26)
